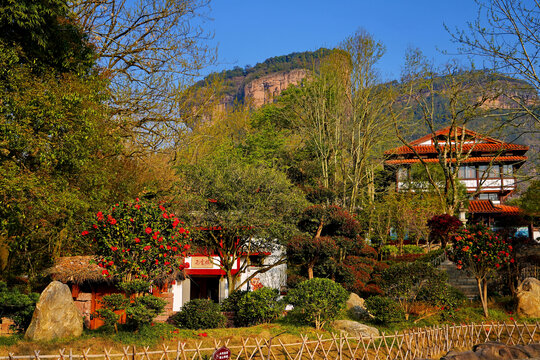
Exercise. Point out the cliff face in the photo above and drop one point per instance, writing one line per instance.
(264, 90)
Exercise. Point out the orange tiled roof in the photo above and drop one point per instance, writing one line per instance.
(478, 159)
(430, 149)
(487, 144)
(487, 207)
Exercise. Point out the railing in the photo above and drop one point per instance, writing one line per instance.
(418, 343)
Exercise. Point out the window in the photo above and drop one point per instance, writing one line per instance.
(508, 170)
(467, 172)
(489, 196)
(403, 174)
(488, 171)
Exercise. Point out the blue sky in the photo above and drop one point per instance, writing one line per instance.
(248, 32)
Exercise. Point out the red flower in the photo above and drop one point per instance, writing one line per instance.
(131, 219)
(212, 200)
(105, 272)
(181, 230)
(112, 221)
(175, 223)
(146, 248)
(114, 248)
(137, 206)
(165, 216)
(85, 232)
(161, 246)
(143, 260)
(174, 248)
(203, 334)
(137, 199)
(161, 208)
(99, 215)
(95, 226)
(148, 230)
(137, 240)
(111, 263)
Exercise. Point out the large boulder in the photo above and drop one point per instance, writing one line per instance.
(56, 315)
(355, 307)
(528, 295)
(496, 351)
(355, 328)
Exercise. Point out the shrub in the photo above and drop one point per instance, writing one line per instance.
(143, 310)
(111, 305)
(389, 250)
(260, 306)
(293, 280)
(371, 290)
(231, 302)
(384, 309)
(199, 314)
(404, 281)
(412, 249)
(17, 306)
(317, 301)
(368, 252)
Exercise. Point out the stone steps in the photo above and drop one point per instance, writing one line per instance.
(459, 279)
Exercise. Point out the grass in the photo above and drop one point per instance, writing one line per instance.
(288, 329)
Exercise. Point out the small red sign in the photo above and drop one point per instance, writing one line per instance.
(223, 353)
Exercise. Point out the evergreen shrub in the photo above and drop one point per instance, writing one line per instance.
(199, 314)
(384, 309)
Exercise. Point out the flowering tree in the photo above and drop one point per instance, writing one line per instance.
(480, 252)
(139, 241)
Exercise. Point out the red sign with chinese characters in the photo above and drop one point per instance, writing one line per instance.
(223, 353)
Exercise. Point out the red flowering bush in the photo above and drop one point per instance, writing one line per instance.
(139, 240)
(442, 227)
(481, 253)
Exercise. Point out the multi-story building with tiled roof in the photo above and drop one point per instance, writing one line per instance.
(487, 167)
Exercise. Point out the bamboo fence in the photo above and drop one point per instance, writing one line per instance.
(411, 344)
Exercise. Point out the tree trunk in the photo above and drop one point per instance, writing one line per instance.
(482, 291)
(231, 282)
(310, 267)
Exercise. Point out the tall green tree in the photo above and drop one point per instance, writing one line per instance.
(57, 149)
(237, 208)
(340, 113)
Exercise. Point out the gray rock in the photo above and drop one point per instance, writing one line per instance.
(56, 315)
(355, 328)
(496, 351)
(528, 295)
(355, 307)
(466, 355)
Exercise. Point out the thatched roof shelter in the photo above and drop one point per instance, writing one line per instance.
(80, 269)
(77, 269)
